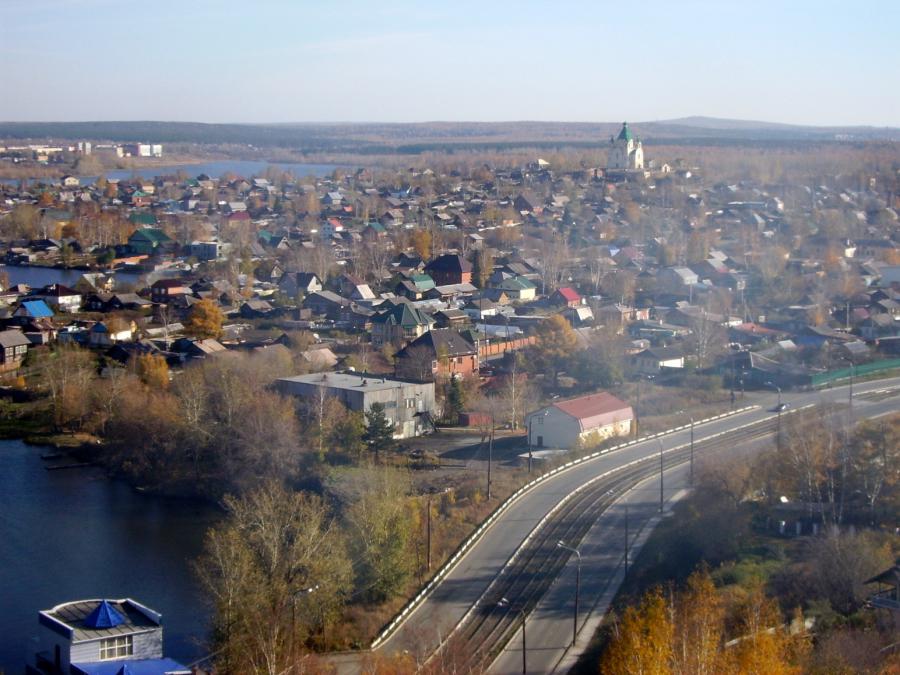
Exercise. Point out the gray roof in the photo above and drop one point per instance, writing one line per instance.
(365, 381)
(13, 338)
(72, 615)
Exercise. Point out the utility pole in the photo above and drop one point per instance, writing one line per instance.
(661, 498)
(692, 452)
(626, 541)
(562, 544)
(428, 530)
(490, 456)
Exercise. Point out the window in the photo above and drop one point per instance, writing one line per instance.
(116, 648)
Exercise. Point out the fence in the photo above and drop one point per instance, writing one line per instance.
(857, 371)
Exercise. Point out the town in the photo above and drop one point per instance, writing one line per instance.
(380, 336)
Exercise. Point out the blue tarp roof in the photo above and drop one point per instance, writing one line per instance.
(104, 615)
(38, 309)
(131, 667)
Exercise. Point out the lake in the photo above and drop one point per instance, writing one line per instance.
(245, 168)
(74, 534)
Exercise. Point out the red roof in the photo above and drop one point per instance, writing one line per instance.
(596, 410)
(569, 294)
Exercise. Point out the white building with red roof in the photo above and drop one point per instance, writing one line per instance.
(586, 420)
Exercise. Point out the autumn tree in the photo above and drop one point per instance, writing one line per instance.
(152, 370)
(643, 640)
(421, 243)
(556, 342)
(482, 267)
(381, 535)
(277, 574)
(205, 320)
(68, 374)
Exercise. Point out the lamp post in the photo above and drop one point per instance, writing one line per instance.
(506, 604)
(562, 544)
(299, 591)
(778, 408)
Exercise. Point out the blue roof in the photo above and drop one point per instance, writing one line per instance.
(103, 615)
(37, 309)
(130, 667)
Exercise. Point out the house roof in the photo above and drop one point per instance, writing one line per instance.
(37, 308)
(13, 338)
(84, 620)
(449, 263)
(403, 315)
(569, 294)
(596, 410)
(163, 666)
(441, 341)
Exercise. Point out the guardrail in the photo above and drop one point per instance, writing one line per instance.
(476, 536)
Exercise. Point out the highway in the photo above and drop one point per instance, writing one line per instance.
(462, 612)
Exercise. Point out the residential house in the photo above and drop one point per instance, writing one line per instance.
(400, 324)
(408, 405)
(61, 298)
(439, 353)
(326, 303)
(567, 297)
(148, 240)
(293, 284)
(102, 637)
(166, 290)
(676, 279)
(106, 334)
(13, 348)
(581, 421)
(256, 309)
(656, 359)
(33, 309)
(518, 288)
(450, 269)
(451, 318)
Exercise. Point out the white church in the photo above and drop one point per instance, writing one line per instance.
(625, 152)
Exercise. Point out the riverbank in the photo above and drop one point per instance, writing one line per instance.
(77, 534)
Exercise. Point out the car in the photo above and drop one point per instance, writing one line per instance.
(781, 407)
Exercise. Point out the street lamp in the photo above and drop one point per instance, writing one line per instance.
(778, 409)
(562, 544)
(294, 594)
(506, 605)
(692, 451)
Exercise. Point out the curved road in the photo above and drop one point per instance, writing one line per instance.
(550, 624)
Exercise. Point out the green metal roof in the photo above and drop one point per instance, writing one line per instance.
(625, 134)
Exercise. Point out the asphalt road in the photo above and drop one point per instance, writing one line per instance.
(434, 620)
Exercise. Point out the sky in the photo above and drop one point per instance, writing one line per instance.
(819, 62)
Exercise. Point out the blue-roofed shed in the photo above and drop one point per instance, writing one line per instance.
(163, 666)
(35, 309)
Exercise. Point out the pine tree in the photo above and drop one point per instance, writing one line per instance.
(379, 434)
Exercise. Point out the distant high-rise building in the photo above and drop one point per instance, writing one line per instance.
(625, 151)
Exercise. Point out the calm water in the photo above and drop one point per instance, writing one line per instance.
(42, 276)
(73, 534)
(245, 168)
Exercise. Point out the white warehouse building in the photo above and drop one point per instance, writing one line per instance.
(585, 420)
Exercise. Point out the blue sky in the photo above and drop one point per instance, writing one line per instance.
(823, 62)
